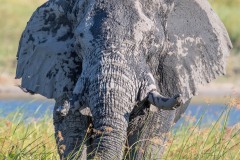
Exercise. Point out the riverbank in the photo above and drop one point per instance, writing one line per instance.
(214, 92)
(9, 89)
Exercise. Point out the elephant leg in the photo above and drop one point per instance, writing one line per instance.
(147, 133)
(71, 132)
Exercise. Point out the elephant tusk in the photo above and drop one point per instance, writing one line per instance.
(164, 103)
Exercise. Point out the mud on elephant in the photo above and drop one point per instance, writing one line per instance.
(121, 72)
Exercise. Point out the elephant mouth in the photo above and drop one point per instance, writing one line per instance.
(156, 100)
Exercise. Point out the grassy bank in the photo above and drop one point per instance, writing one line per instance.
(214, 142)
(34, 139)
(31, 139)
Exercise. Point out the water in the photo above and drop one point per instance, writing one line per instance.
(210, 113)
(39, 108)
(31, 108)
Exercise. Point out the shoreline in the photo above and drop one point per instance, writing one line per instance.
(213, 92)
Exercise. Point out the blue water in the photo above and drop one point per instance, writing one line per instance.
(35, 109)
(208, 114)
(40, 108)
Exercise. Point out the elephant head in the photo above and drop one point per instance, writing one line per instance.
(110, 56)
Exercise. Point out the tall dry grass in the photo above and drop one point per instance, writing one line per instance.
(34, 139)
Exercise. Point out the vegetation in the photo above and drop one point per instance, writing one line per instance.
(31, 139)
(215, 142)
(14, 17)
(229, 12)
(34, 139)
(16, 13)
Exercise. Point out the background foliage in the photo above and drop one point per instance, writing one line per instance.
(16, 13)
(229, 12)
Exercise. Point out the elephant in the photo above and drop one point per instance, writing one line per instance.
(121, 72)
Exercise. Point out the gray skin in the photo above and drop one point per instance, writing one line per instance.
(121, 72)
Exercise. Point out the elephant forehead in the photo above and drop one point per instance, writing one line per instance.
(106, 20)
(143, 25)
(120, 24)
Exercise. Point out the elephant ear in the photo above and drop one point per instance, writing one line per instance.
(198, 45)
(47, 61)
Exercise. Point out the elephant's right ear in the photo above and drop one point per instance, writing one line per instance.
(197, 45)
(47, 61)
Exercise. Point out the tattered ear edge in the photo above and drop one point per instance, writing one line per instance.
(199, 30)
(40, 62)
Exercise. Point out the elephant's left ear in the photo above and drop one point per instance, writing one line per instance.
(198, 45)
(47, 60)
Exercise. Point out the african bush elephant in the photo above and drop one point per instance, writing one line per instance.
(128, 67)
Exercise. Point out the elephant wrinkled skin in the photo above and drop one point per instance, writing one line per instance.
(121, 72)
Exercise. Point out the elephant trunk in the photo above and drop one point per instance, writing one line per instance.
(112, 98)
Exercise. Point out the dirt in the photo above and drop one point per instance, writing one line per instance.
(9, 88)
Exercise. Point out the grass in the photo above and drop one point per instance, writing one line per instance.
(34, 139)
(228, 11)
(215, 142)
(27, 140)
